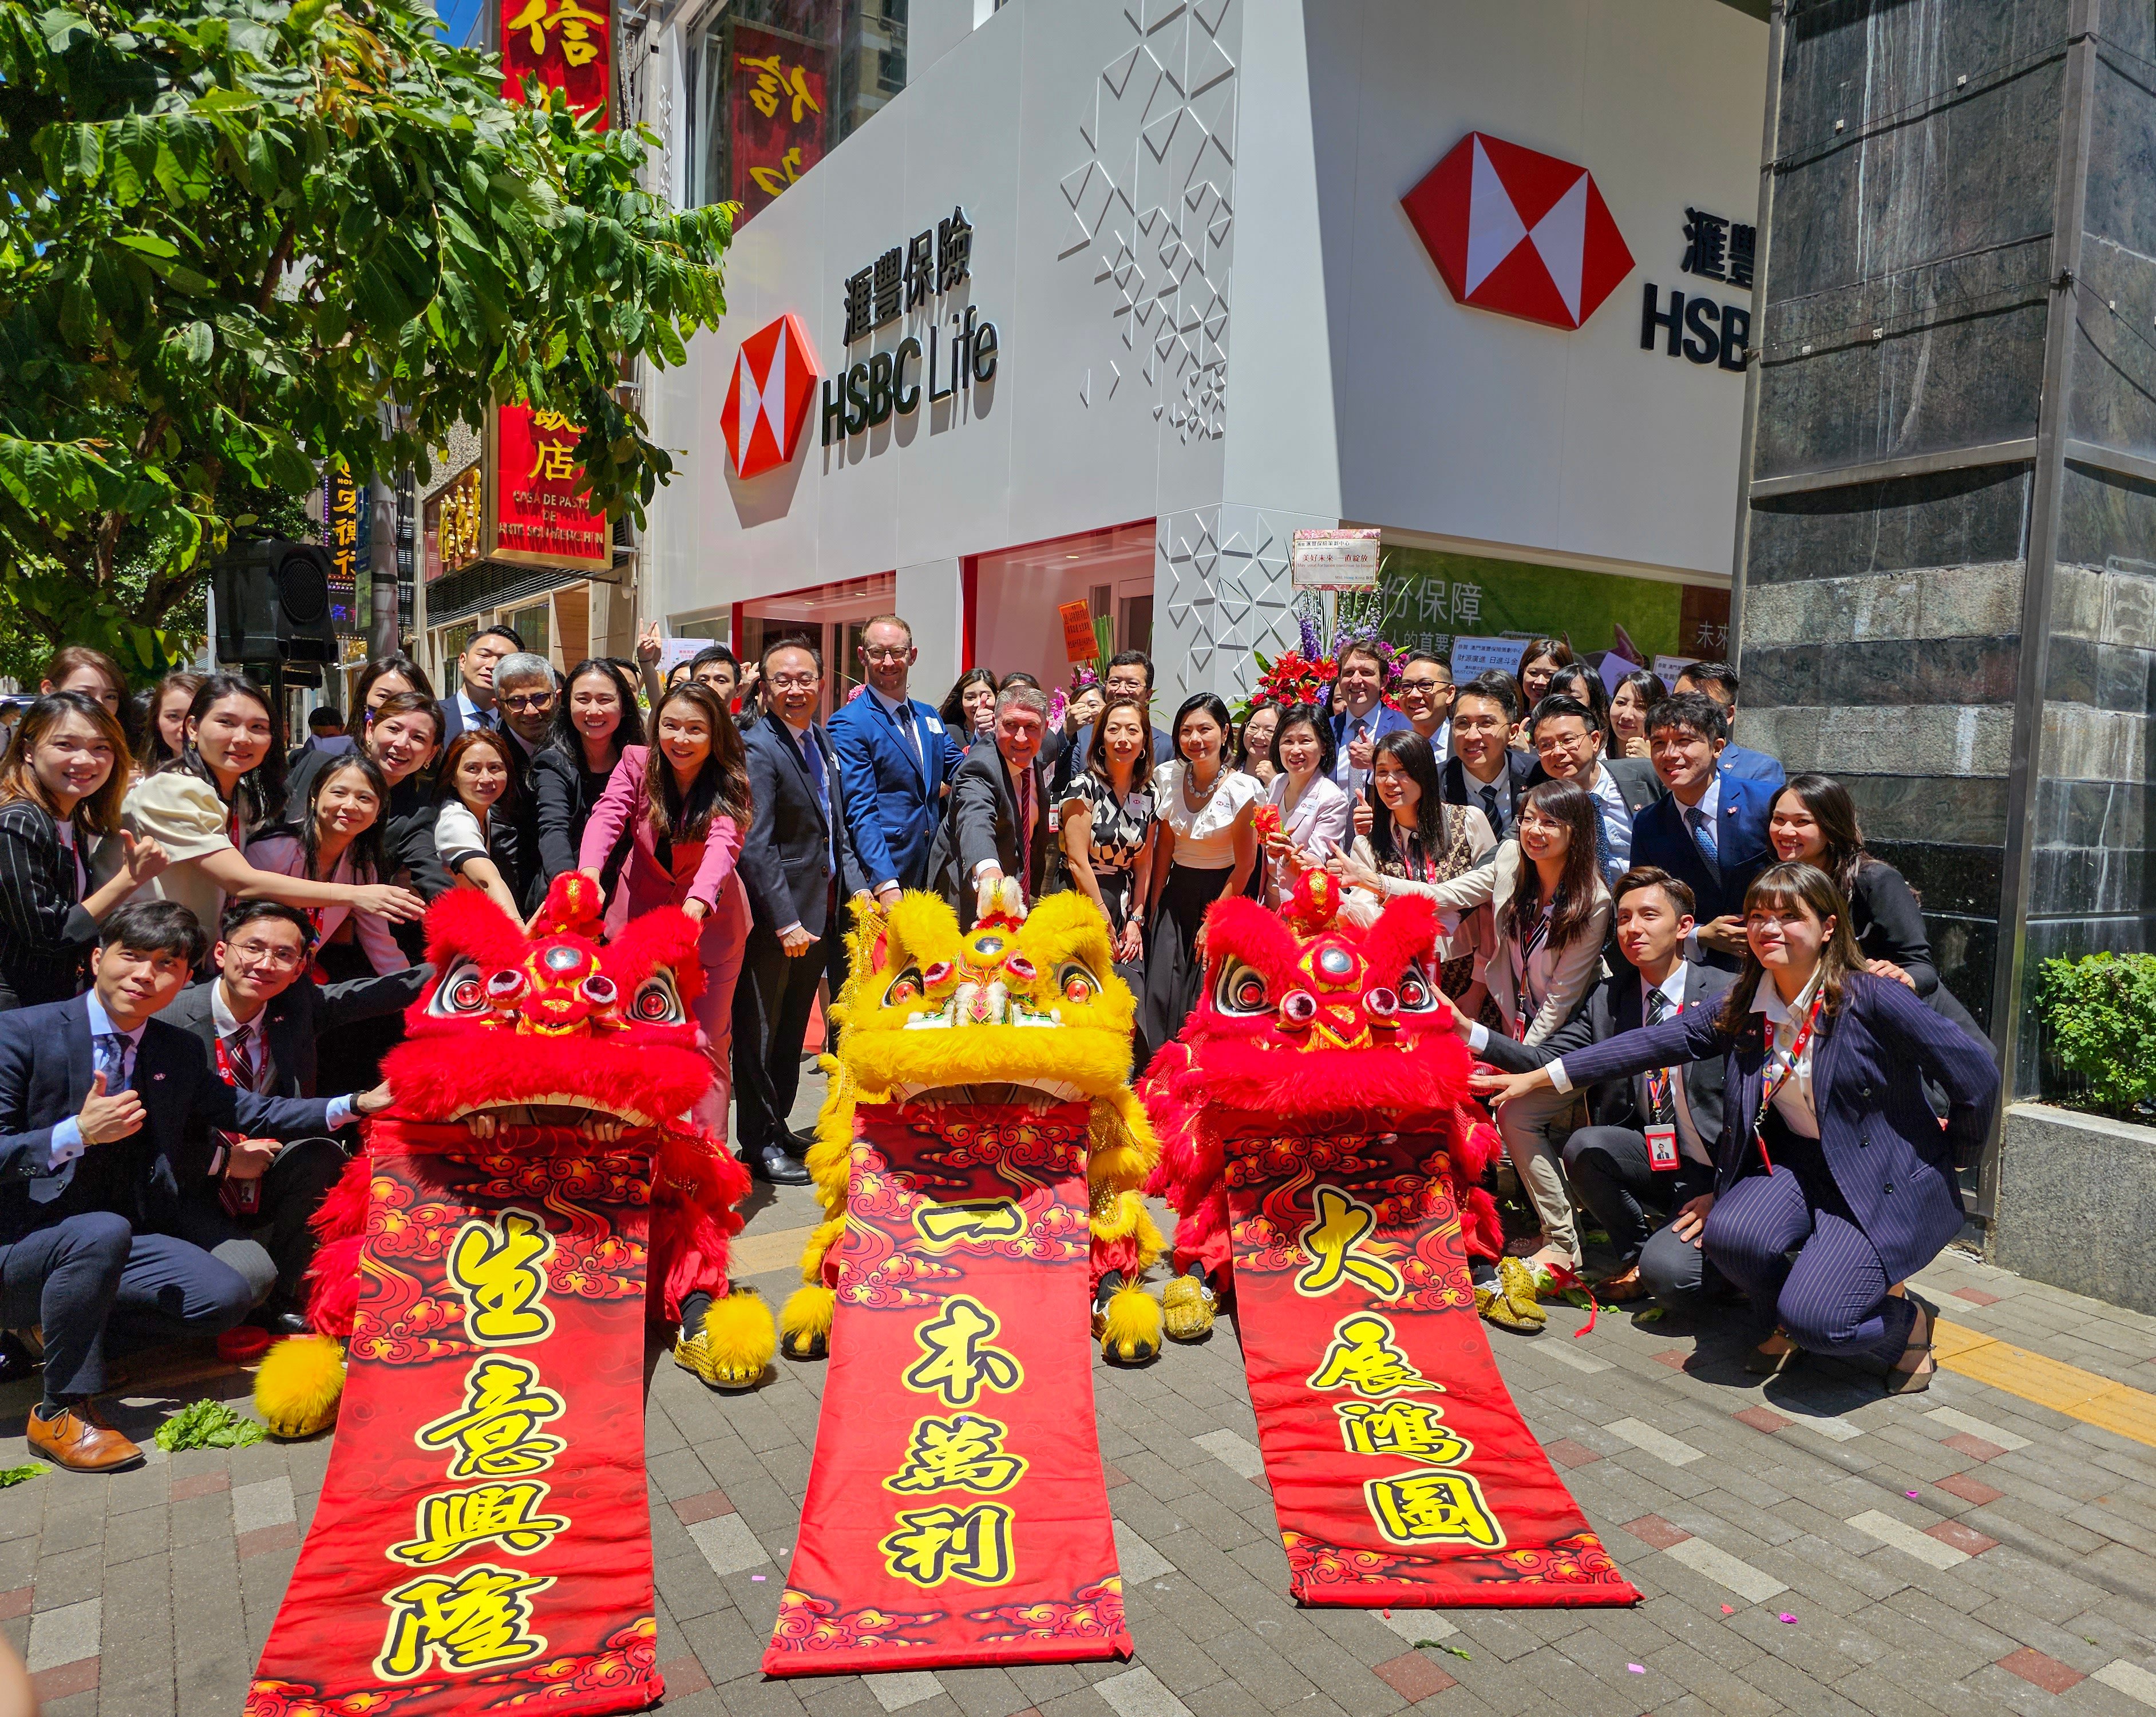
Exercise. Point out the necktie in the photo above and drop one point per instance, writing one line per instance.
(1662, 1097)
(1489, 809)
(111, 1061)
(811, 759)
(908, 726)
(239, 1051)
(1703, 837)
(1026, 815)
(1603, 856)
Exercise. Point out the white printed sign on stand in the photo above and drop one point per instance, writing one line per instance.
(1668, 667)
(1480, 656)
(1334, 560)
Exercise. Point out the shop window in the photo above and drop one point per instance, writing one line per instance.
(530, 623)
(775, 86)
(1134, 624)
(1018, 591)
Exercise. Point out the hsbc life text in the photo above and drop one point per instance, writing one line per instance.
(868, 394)
(1702, 330)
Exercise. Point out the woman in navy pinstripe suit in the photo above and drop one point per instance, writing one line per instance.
(1828, 1146)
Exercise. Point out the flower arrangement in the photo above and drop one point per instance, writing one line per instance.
(1305, 674)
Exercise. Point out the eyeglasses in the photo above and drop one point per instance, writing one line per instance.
(886, 652)
(257, 953)
(794, 681)
(1425, 685)
(529, 701)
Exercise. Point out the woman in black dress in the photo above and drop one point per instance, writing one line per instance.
(596, 720)
(1108, 828)
(1814, 822)
(61, 784)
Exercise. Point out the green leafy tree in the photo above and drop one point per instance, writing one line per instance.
(239, 237)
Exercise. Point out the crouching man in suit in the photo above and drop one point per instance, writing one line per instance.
(95, 1097)
(1645, 1167)
(248, 1202)
(997, 825)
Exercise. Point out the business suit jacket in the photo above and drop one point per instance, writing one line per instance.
(894, 796)
(1748, 765)
(1660, 837)
(1461, 789)
(786, 853)
(453, 716)
(563, 795)
(706, 870)
(45, 935)
(1383, 719)
(982, 824)
(1889, 1156)
(1615, 1005)
(1637, 783)
(45, 1065)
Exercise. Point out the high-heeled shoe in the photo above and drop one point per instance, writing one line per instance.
(1760, 1363)
(1903, 1378)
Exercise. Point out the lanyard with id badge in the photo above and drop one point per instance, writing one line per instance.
(1785, 1069)
(240, 1198)
(1662, 1137)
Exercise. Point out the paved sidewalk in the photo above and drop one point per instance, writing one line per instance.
(1810, 1547)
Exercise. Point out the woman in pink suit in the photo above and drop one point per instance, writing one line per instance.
(685, 802)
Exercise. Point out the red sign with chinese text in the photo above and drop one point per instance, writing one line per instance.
(484, 1535)
(957, 1513)
(536, 511)
(778, 114)
(566, 45)
(1401, 1472)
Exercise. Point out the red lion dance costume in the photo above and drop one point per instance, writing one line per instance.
(1324, 1158)
(490, 1260)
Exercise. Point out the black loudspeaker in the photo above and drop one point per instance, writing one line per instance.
(273, 603)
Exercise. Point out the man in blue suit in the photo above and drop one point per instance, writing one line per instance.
(97, 1097)
(1710, 829)
(1717, 680)
(1366, 719)
(896, 759)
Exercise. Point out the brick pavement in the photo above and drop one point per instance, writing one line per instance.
(2019, 1576)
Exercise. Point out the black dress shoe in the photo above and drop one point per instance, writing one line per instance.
(802, 1142)
(771, 1163)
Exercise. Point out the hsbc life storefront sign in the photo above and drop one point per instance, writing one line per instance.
(1526, 235)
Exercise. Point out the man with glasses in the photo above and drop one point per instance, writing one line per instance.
(525, 694)
(1425, 695)
(1130, 674)
(1569, 746)
(897, 759)
(473, 706)
(248, 1202)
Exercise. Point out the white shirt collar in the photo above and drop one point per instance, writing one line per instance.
(1673, 986)
(101, 1022)
(892, 705)
(1768, 1000)
(221, 1017)
(472, 712)
(1710, 802)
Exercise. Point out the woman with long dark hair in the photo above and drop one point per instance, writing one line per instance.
(1537, 954)
(1538, 665)
(1835, 1157)
(336, 837)
(1108, 823)
(1314, 808)
(1636, 693)
(1205, 847)
(76, 667)
(204, 805)
(1421, 838)
(684, 802)
(969, 709)
(595, 723)
(62, 782)
(165, 731)
(475, 817)
(1579, 681)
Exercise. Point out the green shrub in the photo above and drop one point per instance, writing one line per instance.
(2100, 1012)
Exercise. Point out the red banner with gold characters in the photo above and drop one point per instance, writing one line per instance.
(535, 514)
(777, 114)
(1401, 1472)
(957, 1513)
(566, 45)
(484, 1538)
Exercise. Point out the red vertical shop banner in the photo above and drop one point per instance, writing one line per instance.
(777, 99)
(1401, 1472)
(534, 512)
(566, 45)
(483, 1538)
(957, 1513)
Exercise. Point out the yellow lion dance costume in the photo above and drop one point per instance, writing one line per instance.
(1021, 1008)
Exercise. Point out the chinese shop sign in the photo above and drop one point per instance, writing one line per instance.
(906, 280)
(778, 99)
(956, 1512)
(344, 535)
(566, 45)
(1334, 560)
(535, 512)
(483, 1537)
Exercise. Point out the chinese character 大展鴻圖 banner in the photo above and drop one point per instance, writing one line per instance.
(777, 114)
(483, 1538)
(957, 1513)
(1401, 1472)
(566, 45)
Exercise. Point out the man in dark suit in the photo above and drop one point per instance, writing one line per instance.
(894, 758)
(1486, 770)
(472, 705)
(1569, 746)
(1709, 830)
(1130, 674)
(1647, 1163)
(1364, 719)
(795, 857)
(95, 1098)
(997, 823)
(248, 1202)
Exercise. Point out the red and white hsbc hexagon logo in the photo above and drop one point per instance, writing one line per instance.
(1519, 232)
(774, 379)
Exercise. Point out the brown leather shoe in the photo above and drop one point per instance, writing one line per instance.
(81, 1441)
